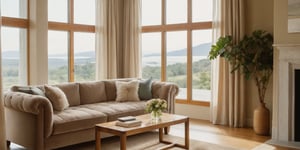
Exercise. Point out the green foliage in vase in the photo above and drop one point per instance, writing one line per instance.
(253, 56)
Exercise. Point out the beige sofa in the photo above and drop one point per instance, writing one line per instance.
(32, 122)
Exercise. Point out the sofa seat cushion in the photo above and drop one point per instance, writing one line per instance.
(114, 110)
(75, 119)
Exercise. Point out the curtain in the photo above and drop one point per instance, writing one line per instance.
(132, 29)
(108, 38)
(228, 89)
(2, 118)
(117, 39)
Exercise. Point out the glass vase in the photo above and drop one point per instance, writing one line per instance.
(156, 116)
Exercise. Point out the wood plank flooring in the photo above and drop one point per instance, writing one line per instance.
(240, 138)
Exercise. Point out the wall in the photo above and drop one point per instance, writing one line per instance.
(259, 15)
(280, 24)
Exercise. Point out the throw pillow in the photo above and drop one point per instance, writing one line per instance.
(28, 90)
(127, 91)
(57, 97)
(145, 89)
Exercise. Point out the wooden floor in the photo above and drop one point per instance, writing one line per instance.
(239, 138)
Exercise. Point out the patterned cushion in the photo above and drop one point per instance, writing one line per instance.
(127, 91)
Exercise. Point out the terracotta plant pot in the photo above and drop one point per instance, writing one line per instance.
(261, 120)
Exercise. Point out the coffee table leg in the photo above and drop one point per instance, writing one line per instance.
(160, 134)
(187, 134)
(123, 142)
(98, 139)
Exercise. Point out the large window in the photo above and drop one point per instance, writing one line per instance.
(71, 40)
(176, 39)
(14, 42)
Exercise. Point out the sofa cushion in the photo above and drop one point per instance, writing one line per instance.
(127, 91)
(71, 90)
(75, 119)
(145, 89)
(92, 92)
(111, 91)
(57, 97)
(114, 109)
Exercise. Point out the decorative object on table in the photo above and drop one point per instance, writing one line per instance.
(253, 56)
(129, 124)
(156, 107)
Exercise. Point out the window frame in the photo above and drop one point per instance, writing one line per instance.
(23, 24)
(71, 27)
(189, 27)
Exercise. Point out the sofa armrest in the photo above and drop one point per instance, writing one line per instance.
(167, 91)
(32, 104)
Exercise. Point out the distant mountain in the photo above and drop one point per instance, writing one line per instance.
(90, 54)
(199, 50)
(10, 54)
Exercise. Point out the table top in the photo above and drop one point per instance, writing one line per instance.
(147, 124)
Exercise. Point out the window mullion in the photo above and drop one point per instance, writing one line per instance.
(189, 65)
(163, 43)
(71, 41)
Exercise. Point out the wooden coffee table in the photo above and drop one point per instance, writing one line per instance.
(167, 120)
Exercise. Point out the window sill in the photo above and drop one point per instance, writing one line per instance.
(191, 102)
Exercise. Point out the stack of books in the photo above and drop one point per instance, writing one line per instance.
(128, 121)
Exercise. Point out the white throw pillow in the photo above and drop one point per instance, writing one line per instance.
(57, 97)
(127, 91)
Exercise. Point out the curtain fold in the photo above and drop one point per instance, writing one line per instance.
(117, 39)
(132, 30)
(2, 117)
(228, 89)
(107, 38)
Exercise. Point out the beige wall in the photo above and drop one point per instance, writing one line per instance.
(259, 15)
(280, 24)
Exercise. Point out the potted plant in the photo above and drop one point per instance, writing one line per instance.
(253, 56)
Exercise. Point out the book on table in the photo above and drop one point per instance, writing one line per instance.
(128, 124)
(127, 118)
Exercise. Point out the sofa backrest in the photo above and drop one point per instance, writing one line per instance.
(71, 90)
(92, 92)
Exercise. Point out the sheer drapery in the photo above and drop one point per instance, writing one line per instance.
(228, 89)
(2, 118)
(108, 38)
(131, 42)
(117, 39)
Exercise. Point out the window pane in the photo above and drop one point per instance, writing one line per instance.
(14, 57)
(14, 8)
(84, 12)
(151, 12)
(57, 57)
(201, 65)
(177, 60)
(202, 10)
(84, 56)
(151, 52)
(58, 10)
(176, 11)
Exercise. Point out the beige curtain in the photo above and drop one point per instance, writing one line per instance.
(131, 36)
(117, 39)
(108, 38)
(2, 118)
(228, 89)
